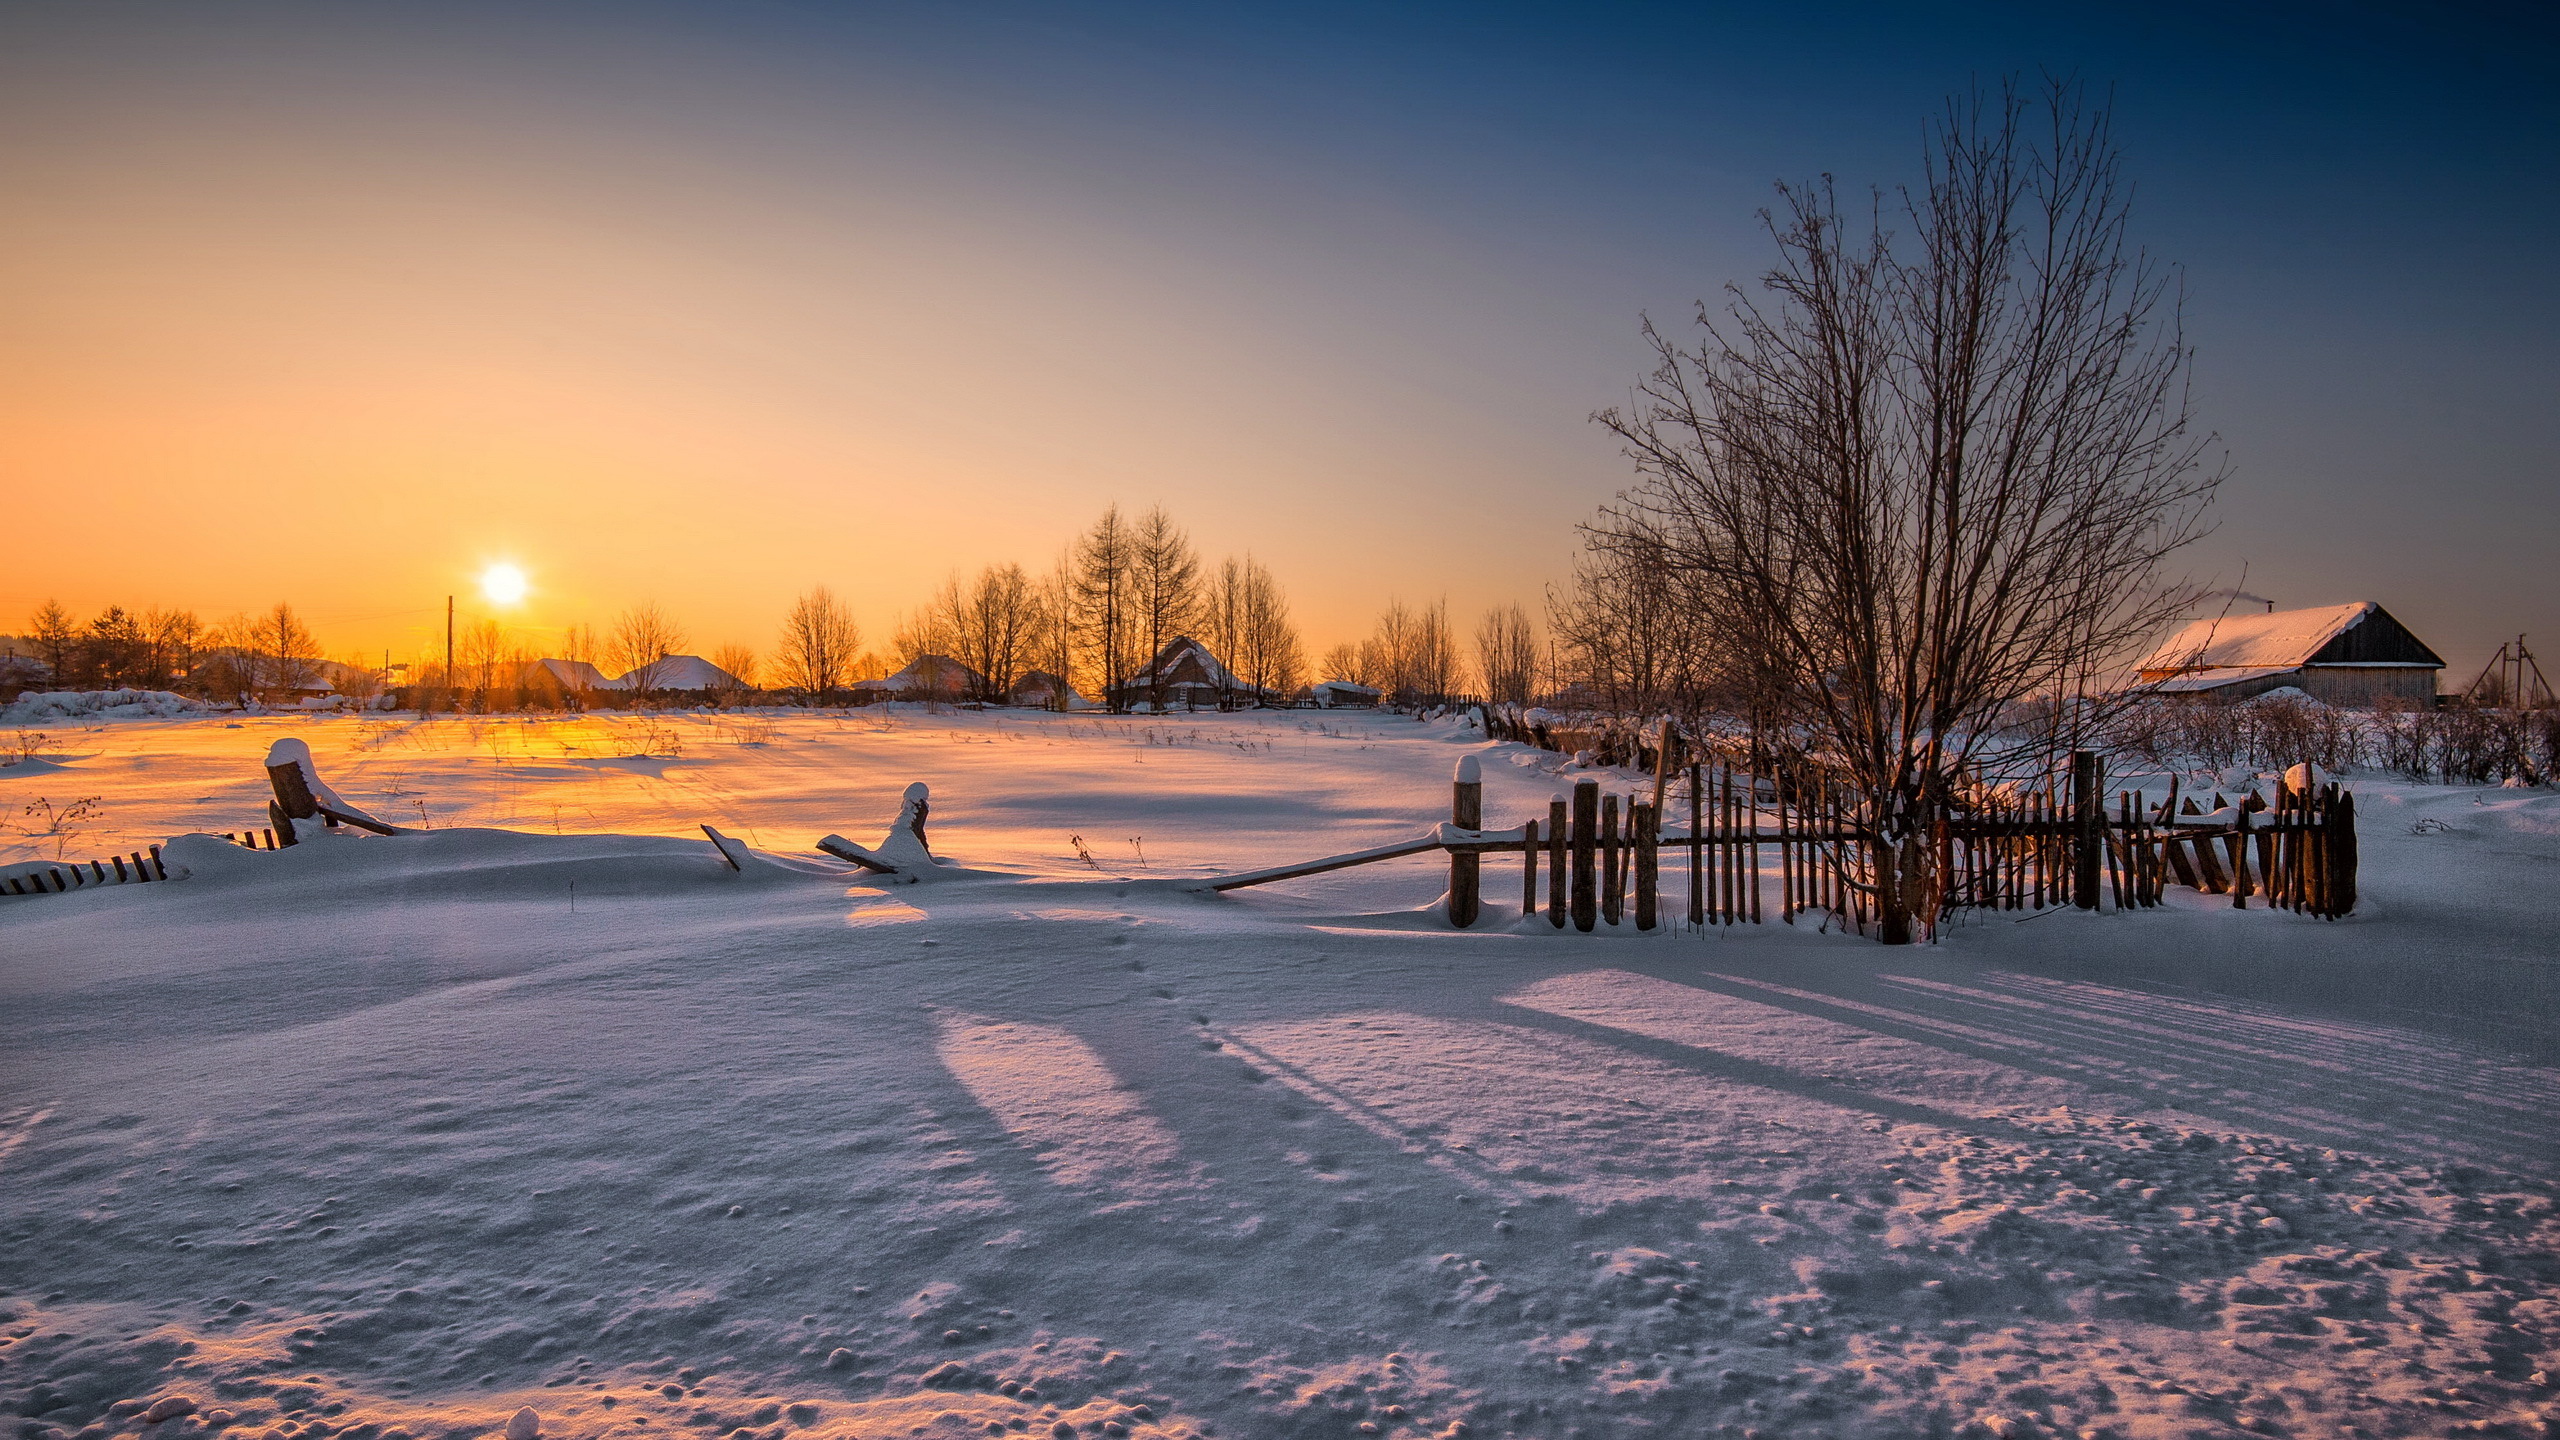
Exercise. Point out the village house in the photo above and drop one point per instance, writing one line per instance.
(927, 678)
(2349, 655)
(1185, 676)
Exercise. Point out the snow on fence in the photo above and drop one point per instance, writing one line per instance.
(1748, 838)
(1756, 844)
(43, 879)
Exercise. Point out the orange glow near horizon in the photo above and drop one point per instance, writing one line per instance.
(341, 367)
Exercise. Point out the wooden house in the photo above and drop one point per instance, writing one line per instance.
(1185, 676)
(2351, 655)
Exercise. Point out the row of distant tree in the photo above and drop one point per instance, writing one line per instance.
(268, 655)
(1117, 596)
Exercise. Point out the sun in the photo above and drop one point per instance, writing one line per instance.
(503, 584)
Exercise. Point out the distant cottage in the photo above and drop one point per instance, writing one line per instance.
(927, 677)
(1187, 677)
(2353, 654)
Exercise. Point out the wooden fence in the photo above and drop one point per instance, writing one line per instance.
(81, 874)
(1799, 848)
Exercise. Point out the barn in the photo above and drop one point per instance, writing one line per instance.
(2353, 655)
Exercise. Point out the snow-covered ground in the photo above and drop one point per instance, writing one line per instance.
(548, 1109)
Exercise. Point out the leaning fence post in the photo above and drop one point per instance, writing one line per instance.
(1466, 812)
(1647, 825)
(1586, 838)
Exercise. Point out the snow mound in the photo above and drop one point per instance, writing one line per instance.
(82, 704)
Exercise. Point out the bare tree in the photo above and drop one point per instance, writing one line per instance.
(279, 652)
(1222, 620)
(484, 649)
(644, 643)
(740, 663)
(1165, 582)
(1939, 470)
(1348, 661)
(1268, 642)
(1507, 655)
(580, 647)
(819, 638)
(175, 636)
(992, 624)
(1105, 602)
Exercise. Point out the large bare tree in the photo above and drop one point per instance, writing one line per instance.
(1937, 470)
(1507, 655)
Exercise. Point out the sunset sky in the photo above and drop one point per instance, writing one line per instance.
(705, 304)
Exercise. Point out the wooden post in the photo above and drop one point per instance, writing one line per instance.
(1466, 812)
(1697, 851)
(1528, 869)
(1612, 861)
(120, 875)
(1648, 829)
(2240, 863)
(2089, 820)
(1559, 830)
(159, 871)
(2342, 840)
(1586, 839)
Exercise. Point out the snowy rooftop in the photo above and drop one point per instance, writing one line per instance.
(2284, 639)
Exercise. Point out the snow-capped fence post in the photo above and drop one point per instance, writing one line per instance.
(2089, 828)
(1586, 838)
(1466, 812)
(293, 801)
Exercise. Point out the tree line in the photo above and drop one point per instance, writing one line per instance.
(1113, 600)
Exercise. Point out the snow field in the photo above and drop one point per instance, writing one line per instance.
(384, 1140)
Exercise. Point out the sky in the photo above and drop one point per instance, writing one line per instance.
(705, 304)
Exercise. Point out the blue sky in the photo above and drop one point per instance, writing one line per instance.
(1337, 283)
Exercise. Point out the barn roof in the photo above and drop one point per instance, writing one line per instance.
(2360, 632)
(928, 672)
(688, 672)
(569, 675)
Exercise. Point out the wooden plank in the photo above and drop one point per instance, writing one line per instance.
(721, 843)
(846, 850)
(1648, 868)
(361, 822)
(1262, 877)
(1557, 839)
(1586, 839)
(1697, 850)
(1612, 862)
(1529, 869)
